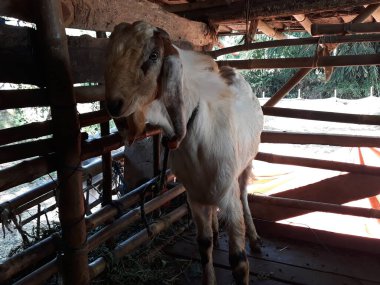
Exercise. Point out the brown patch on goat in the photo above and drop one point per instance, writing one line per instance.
(136, 125)
(228, 74)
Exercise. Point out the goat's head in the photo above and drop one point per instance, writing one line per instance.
(143, 66)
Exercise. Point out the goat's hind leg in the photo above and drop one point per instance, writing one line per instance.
(233, 214)
(203, 216)
(254, 238)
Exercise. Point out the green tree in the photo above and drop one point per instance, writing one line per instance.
(351, 82)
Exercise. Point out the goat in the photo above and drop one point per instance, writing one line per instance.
(213, 123)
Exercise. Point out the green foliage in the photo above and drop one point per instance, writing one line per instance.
(351, 82)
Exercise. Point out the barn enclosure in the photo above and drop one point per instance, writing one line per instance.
(100, 189)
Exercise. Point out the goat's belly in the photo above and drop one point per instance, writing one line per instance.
(205, 185)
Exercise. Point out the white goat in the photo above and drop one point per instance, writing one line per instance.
(213, 122)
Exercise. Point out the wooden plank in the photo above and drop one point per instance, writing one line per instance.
(322, 116)
(88, 94)
(323, 139)
(337, 190)
(21, 98)
(25, 98)
(21, 63)
(193, 276)
(87, 58)
(295, 42)
(39, 129)
(304, 62)
(325, 239)
(315, 206)
(312, 255)
(269, 31)
(341, 29)
(263, 268)
(26, 171)
(289, 85)
(104, 15)
(259, 9)
(318, 163)
(28, 131)
(24, 150)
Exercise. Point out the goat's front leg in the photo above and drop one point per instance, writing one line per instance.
(202, 216)
(215, 227)
(236, 232)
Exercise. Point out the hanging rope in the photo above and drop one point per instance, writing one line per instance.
(156, 189)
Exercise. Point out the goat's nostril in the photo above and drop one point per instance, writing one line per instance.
(114, 107)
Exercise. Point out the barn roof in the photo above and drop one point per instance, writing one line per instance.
(272, 17)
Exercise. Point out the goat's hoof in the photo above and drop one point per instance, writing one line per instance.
(256, 245)
(215, 240)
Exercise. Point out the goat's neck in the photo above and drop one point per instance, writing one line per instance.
(200, 81)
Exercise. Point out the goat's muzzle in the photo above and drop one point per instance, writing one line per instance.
(115, 107)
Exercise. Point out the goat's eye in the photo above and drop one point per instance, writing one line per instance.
(154, 56)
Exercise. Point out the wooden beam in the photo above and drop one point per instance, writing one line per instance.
(269, 8)
(296, 42)
(24, 150)
(368, 11)
(111, 142)
(341, 29)
(138, 239)
(322, 116)
(104, 15)
(322, 139)
(330, 239)
(304, 62)
(28, 131)
(315, 206)
(269, 31)
(289, 85)
(323, 50)
(25, 98)
(26, 171)
(304, 21)
(89, 94)
(318, 163)
(339, 189)
(376, 15)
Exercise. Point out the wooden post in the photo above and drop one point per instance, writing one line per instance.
(287, 87)
(67, 142)
(106, 157)
(156, 154)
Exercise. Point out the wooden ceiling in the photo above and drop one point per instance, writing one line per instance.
(272, 17)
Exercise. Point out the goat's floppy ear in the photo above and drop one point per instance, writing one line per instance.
(170, 83)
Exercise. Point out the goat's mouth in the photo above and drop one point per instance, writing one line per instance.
(115, 107)
(118, 108)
